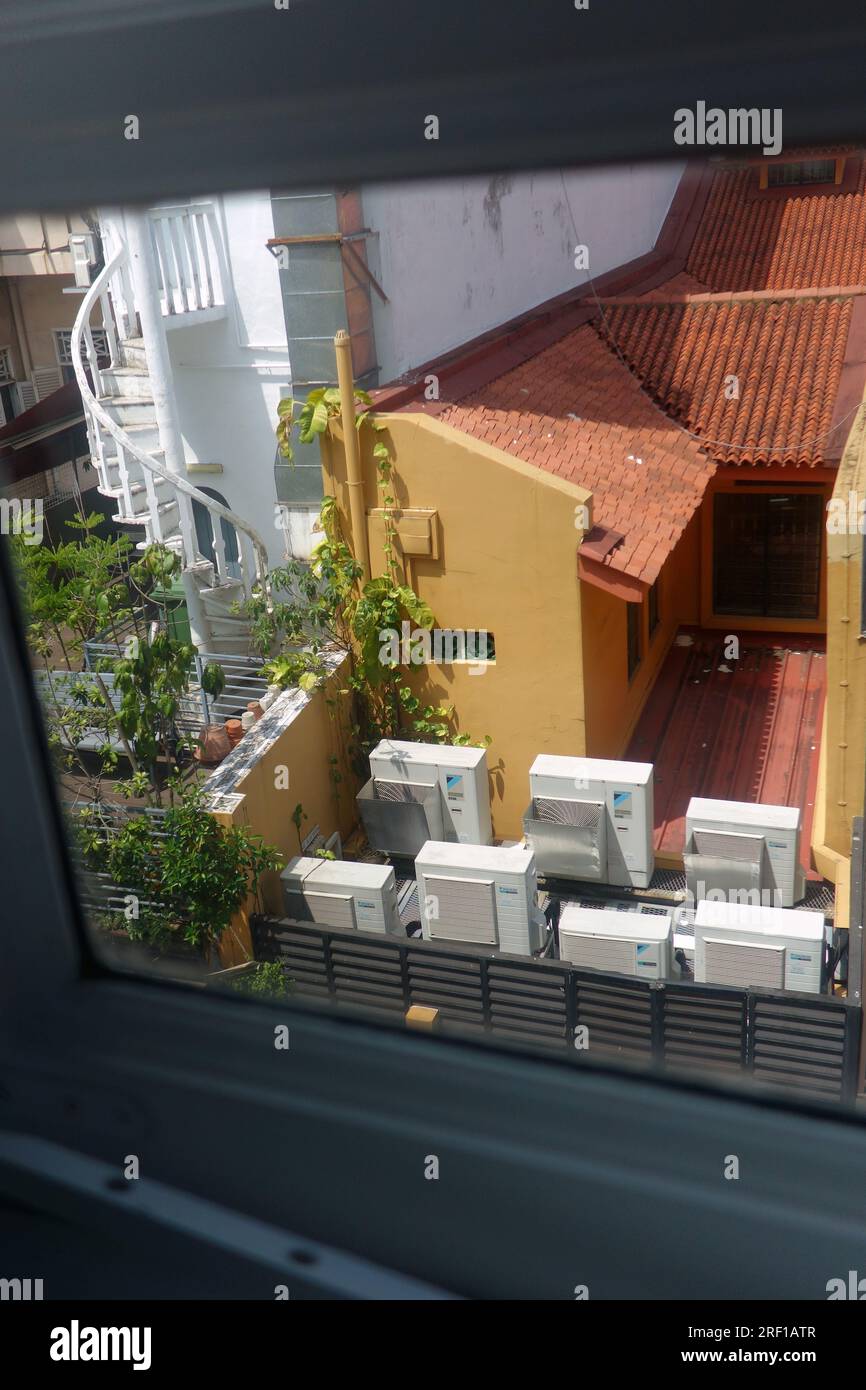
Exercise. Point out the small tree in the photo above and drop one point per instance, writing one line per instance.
(328, 607)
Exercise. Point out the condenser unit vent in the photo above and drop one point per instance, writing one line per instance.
(461, 909)
(560, 812)
(724, 964)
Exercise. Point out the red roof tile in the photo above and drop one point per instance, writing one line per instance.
(786, 354)
(650, 502)
(800, 241)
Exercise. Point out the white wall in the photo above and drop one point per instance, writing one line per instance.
(458, 257)
(228, 374)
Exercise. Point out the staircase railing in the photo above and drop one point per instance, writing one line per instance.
(113, 290)
(188, 251)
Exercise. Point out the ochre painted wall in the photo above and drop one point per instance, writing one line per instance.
(839, 795)
(305, 748)
(613, 705)
(507, 563)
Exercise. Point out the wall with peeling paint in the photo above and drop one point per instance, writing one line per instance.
(461, 256)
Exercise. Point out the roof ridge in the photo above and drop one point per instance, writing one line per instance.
(656, 298)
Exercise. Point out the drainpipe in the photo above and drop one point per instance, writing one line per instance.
(146, 286)
(343, 349)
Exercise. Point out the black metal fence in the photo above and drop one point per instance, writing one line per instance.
(800, 1041)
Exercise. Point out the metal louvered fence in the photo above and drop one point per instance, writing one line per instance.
(799, 1042)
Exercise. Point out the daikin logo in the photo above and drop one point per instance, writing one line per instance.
(77, 1343)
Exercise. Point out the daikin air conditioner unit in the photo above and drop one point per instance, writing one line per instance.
(745, 847)
(425, 791)
(765, 947)
(341, 893)
(629, 943)
(591, 819)
(480, 895)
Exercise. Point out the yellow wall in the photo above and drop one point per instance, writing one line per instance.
(613, 705)
(304, 746)
(843, 748)
(507, 562)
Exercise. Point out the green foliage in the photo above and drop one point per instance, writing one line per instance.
(327, 607)
(267, 979)
(196, 875)
(213, 680)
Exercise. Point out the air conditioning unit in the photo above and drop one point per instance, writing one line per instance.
(481, 895)
(765, 947)
(740, 846)
(633, 943)
(341, 893)
(591, 819)
(425, 791)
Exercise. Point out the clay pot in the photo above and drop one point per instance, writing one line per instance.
(248, 719)
(255, 709)
(213, 745)
(234, 731)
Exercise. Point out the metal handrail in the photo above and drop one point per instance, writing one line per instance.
(92, 406)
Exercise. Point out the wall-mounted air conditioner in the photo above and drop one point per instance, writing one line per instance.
(341, 893)
(763, 947)
(425, 791)
(83, 252)
(740, 846)
(480, 895)
(634, 943)
(591, 819)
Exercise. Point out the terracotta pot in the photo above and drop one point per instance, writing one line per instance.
(255, 708)
(234, 731)
(213, 745)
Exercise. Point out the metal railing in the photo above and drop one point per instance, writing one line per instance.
(801, 1042)
(113, 287)
(189, 257)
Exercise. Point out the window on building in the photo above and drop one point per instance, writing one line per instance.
(653, 615)
(63, 344)
(801, 172)
(767, 554)
(634, 612)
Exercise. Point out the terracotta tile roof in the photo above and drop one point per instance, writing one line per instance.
(787, 355)
(528, 412)
(806, 239)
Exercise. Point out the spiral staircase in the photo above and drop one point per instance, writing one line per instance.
(173, 270)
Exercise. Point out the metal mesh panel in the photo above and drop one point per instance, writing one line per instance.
(557, 811)
(723, 844)
(402, 791)
(331, 910)
(600, 952)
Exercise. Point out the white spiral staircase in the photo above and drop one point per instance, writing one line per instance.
(125, 435)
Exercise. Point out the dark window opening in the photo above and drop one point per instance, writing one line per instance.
(633, 617)
(653, 614)
(805, 171)
(767, 554)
